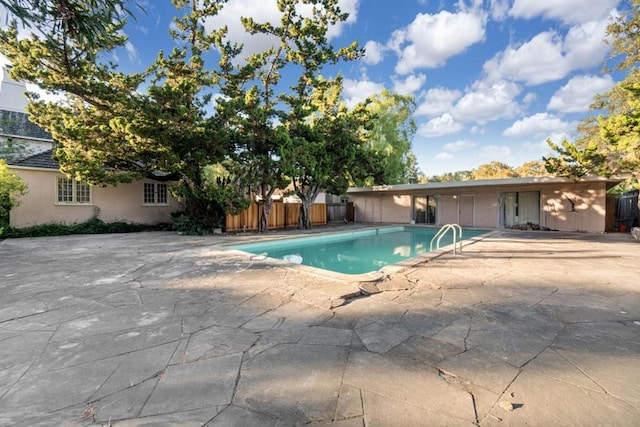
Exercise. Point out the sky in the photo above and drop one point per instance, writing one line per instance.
(492, 79)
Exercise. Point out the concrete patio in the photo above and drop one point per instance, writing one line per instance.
(156, 329)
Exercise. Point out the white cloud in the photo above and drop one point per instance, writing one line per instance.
(374, 52)
(443, 125)
(536, 149)
(433, 39)
(530, 97)
(357, 91)
(458, 145)
(537, 61)
(493, 152)
(437, 101)
(349, 6)
(409, 85)
(395, 42)
(557, 137)
(548, 56)
(233, 10)
(584, 44)
(568, 11)
(487, 102)
(536, 124)
(577, 95)
(47, 96)
(443, 156)
(132, 52)
(499, 9)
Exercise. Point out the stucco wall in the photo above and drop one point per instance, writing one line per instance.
(447, 209)
(589, 207)
(486, 212)
(555, 207)
(382, 208)
(121, 203)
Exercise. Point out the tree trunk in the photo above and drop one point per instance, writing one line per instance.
(304, 221)
(267, 204)
(307, 195)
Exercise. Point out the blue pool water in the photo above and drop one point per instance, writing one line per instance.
(354, 252)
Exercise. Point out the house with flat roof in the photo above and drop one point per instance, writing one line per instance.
(546, 203)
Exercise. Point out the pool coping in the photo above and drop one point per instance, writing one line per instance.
(386, 271)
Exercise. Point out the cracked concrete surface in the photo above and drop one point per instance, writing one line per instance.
(160, 329)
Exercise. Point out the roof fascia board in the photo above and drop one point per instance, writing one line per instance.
(464, 185)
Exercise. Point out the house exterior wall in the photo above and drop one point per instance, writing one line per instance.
(121, 203)
(588, 214)
(382, 208)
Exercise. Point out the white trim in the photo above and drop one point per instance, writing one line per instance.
(473, 209)
(155, 194)
(30, 138)
(33, 168)
(468, 185)
(74, 194)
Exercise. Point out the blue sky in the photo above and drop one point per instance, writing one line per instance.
(492, 79)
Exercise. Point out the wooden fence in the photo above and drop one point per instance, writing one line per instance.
(282, 215)
(339, 212)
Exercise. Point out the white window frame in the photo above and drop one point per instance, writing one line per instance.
(158, 188)
(76, 187)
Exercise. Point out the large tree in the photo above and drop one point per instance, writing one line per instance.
(268, 119)
(391, 134)
(110, 131)
(494, 170)
(325, 149)
(610, 143)
(86, 22)
(532, 168)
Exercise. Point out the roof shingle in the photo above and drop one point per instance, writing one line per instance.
(41, 160)
(15, 123)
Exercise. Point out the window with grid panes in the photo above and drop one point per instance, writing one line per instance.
(155, 194)
(71, 191)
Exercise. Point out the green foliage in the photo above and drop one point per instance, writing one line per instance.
(115, 127)
(532, 168)
(92, 226)
(86, 22)
(323, 151)
(283, 134)
(208, 203)
(610, 143)
(494, 170)
(624, 36)
(184, 223)
(11, 188)
(108, 131)
(391, 134)
(452, 176)
(412, 173)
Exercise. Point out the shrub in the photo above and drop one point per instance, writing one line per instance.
(187, 224)
(11, 188)
(92, 226)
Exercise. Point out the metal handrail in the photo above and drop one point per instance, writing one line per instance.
(457, 232)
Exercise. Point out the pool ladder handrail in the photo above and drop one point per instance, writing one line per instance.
(457, 236)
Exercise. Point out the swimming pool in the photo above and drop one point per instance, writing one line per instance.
(354, 252)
